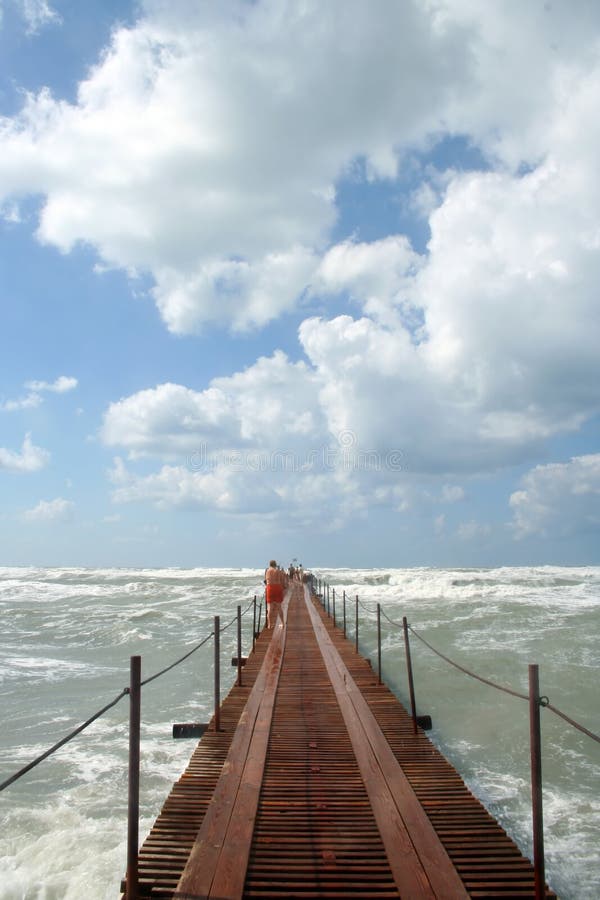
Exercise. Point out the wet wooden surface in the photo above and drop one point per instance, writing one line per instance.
(317, 787)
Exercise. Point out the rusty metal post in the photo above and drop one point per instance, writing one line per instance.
(328, 606)
(133, 823)
(254, 622)
(344, 608)
(333, 608)
(379, 643)
(217, 673)
(356, 624)
(411, 684)
(536, 781)
(239, 646)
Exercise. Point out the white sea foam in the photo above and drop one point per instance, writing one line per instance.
(47, 669)
(69, 634)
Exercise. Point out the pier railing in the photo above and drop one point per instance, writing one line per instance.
(340, 610)
(336, 609)
(180, 730)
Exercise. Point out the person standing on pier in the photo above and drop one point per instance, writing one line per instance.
(274, 580)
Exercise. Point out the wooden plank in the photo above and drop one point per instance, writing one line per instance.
(314, 810)
(315, 834)
(418, 860)
(218, 860)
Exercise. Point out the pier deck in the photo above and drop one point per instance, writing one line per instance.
(317, 786)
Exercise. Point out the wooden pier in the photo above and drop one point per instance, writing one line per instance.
(317, 786)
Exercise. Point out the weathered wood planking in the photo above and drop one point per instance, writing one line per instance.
(419, 862)
(165, 851)
(281, 808)
(217, 863)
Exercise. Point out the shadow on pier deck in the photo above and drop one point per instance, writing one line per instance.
(317, 786)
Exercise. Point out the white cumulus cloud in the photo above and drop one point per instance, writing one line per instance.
(204, 146)
(36, 13)
(559, 498)
(61, 385)
(272, 404)
(206, 149)
(57, 510)
(29, 401)
(29, 459)
(33, 399)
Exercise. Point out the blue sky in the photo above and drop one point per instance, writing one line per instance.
(299, 280)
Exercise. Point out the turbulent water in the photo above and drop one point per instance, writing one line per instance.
(69, 634)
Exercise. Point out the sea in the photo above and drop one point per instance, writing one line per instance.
(69, 633)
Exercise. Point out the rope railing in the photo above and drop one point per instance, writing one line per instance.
(235, 618)
(577, 725)
(536, 702)
(125, 692)
(35, 762)
(365, 607)
(468, 672)
(545, 703)
(178, 661)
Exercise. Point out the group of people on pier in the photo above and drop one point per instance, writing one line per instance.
(276, 581)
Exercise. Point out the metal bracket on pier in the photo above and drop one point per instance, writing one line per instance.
(189, 730)
(243, 661)
(424, 722)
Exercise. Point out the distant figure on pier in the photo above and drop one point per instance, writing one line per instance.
(274, 580)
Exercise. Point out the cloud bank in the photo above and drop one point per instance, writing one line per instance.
(206, 150)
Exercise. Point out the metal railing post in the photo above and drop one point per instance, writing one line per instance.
(133, 826)
(333, 608)
(217, 673)
(536, 781)
(356, 624)
(254, 622)
(379, 643)
(344, 608)
(239, 646)
(411, 684)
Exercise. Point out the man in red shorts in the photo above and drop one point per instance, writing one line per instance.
(274, 580)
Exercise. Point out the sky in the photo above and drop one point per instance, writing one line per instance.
(299, 280)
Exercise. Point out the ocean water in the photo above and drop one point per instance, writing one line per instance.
(69, 634)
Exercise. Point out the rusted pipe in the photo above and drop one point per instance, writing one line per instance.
(536, 781)
(217, 673)
(379, 643)
(133, 820)
(239, 646)
(411, 684)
